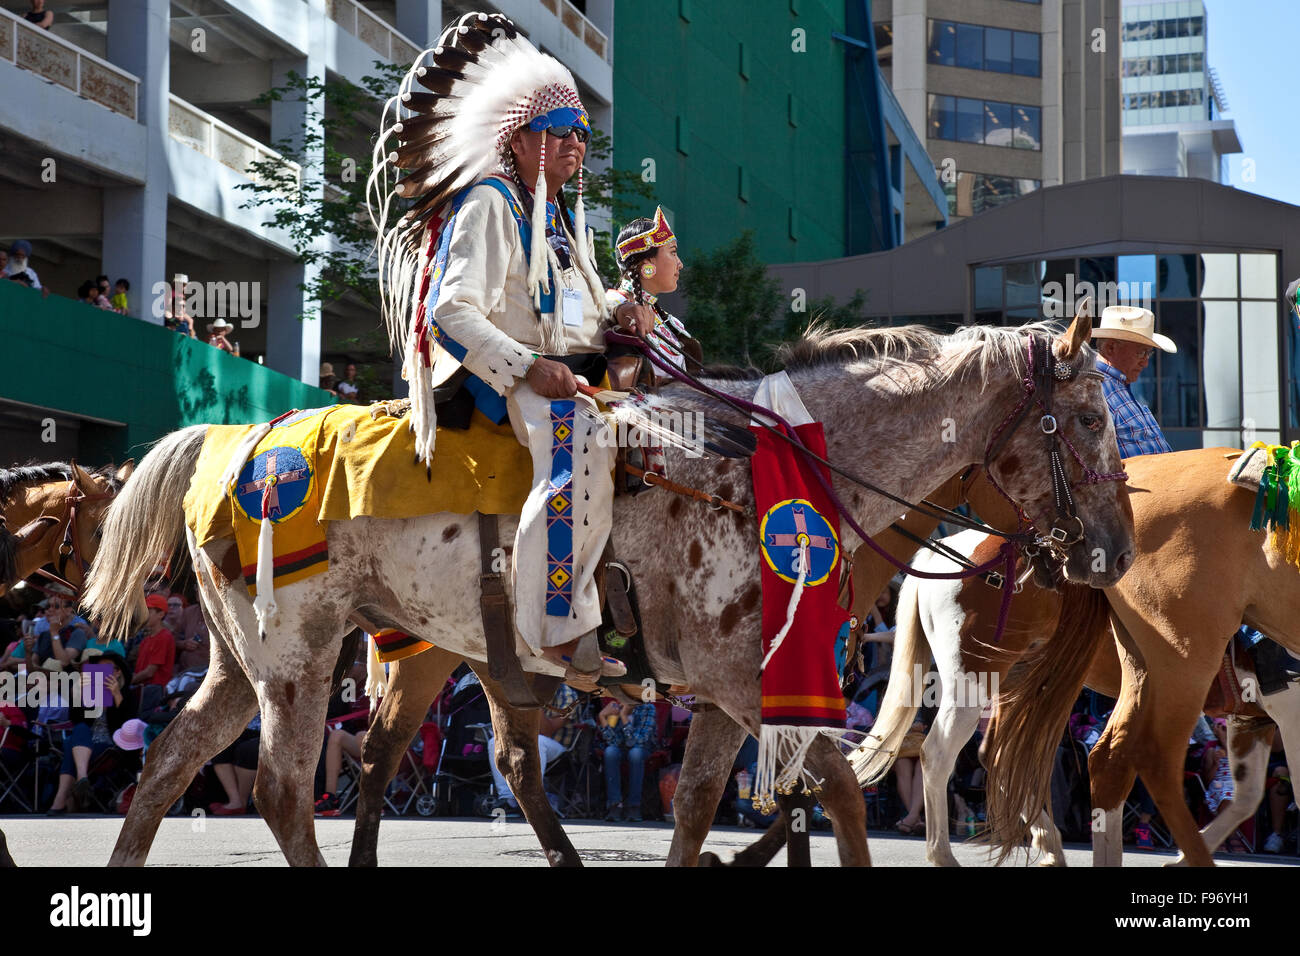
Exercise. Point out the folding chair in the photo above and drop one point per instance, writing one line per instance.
(349, 794)
(14, 749)
(1198, 791)
(568, 776)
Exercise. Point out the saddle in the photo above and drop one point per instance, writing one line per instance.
(1226, 696)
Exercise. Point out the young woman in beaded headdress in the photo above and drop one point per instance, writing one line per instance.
(648, 267)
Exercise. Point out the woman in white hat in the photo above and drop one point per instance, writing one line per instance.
(1127, 340)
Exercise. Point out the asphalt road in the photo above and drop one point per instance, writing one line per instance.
(88, 841)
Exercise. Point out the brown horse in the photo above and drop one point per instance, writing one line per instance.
(1200, 573)
(57, 509)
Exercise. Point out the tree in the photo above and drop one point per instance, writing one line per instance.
(733, 302)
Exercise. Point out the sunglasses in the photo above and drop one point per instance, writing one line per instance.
(561, 122)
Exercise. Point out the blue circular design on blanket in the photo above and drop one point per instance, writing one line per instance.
(290, 486)
(781, 532)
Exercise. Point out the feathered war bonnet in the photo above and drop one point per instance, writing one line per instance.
(449, 126)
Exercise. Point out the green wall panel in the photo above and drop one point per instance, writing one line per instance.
(666, 67)
(64, 355)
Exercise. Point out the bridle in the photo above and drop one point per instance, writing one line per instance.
(1042, 375)
(1037, 388)
(69, 550)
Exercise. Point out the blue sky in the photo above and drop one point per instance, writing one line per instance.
(1253, 46)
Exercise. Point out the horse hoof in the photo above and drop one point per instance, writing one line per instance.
(709, 858)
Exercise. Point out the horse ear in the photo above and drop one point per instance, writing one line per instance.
(83, 478)
(124, 472)
(1069, 342)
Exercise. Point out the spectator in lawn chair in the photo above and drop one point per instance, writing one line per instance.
(54, 641)
(155, 662)
(91, 735)
(557, 734)
(628, 733)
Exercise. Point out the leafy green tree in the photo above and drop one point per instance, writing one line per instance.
(732, 302)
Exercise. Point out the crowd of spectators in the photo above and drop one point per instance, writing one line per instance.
(601, 757)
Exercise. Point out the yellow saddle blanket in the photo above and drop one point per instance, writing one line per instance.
(337, 463)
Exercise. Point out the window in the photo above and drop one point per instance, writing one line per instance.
(1027, 57)
(987, 122)
(970, 46)
(998, 130)
(970, 120)
(975, 192)
(993, 49)
(943, 43)
(943, 117)
(997, 50)
(1028, 133)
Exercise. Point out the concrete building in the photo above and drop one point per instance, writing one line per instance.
(1011, 95)
(1212, 262)
(770, 117)
(128, 128)
(1172, 100)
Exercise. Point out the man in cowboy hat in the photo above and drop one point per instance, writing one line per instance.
(1127, 339)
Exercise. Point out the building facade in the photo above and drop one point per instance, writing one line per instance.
(129, 133)
(1212, 262)
(770, 117)
(1172, 99)
(1011, 95)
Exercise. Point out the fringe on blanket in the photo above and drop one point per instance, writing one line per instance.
(787, 747)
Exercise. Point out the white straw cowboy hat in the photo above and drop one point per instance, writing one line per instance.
(1129, 323)
(221, 325)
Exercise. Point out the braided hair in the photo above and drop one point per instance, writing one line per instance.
(629, 268)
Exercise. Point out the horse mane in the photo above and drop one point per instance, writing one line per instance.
(979, 350)
(11, 478)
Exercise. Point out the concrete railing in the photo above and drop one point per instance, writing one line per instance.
(371, 30)
(204, 133)
(577, 24)
(66, 64)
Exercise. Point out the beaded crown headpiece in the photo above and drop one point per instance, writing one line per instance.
(660, 234)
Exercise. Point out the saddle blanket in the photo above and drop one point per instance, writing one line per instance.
(338, 463)
(1274, 472)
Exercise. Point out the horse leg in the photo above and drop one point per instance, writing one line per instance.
(711, 748)
(294, 701)
(1047, 840)
(841, 795)
(520, 763)
(764, 850)
(211, 720)
(952, 727)
(414, 682)
(1248, 746)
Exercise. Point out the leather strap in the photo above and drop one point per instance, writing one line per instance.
(713, 501)
(503, 662)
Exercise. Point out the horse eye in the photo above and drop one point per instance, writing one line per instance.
(1091, 422)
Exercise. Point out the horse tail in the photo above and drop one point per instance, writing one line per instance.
(875, 755)
(145, 522)
(1032, 714)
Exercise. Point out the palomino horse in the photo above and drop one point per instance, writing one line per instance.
(1201, 573)
(901, 389)
(953, 620)
(57, 509)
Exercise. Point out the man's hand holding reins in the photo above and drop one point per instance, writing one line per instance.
(551, 379)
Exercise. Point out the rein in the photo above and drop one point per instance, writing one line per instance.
(1037, 387)
(68, 549)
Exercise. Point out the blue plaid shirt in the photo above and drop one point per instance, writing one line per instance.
(637, 732)
(1136, 428)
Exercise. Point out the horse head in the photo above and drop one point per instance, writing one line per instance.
(1059, 459)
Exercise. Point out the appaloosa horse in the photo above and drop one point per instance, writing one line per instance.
(935, 403)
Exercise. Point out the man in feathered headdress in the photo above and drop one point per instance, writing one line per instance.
(489, 271)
